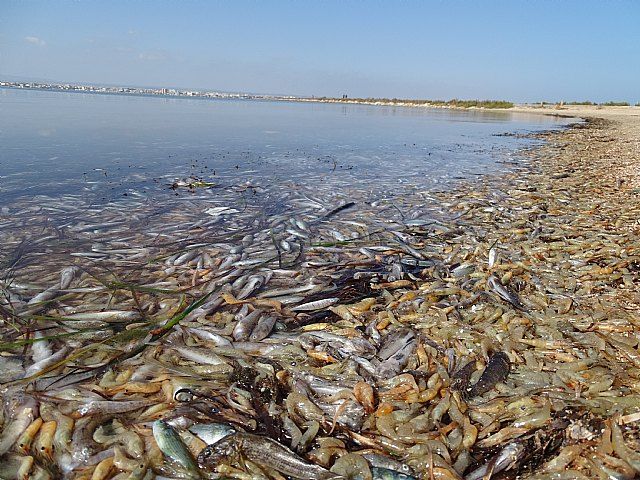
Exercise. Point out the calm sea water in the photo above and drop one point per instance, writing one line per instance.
(107, 146)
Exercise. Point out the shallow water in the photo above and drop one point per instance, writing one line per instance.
(84, 172)
(105, 145)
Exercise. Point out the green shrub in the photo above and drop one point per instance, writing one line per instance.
(615, 104)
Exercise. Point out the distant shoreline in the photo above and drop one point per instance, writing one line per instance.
(581, 111)
(142, 93)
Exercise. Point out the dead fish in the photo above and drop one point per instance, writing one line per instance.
(211, 433)
(316, 305)
(384, 462)
(263, 328)
(243, 329)
(264, 451)
(253, 284)
(46, 295)
(504, 460)
(172, 446)
(396, 349)
(68, 275)
(381, 473)
(503, 292)
(493, 256)
(37, 367)
(340, 209)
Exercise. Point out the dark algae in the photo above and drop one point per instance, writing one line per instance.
(497, 370)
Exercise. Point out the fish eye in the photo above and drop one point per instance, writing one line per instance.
(183, 395)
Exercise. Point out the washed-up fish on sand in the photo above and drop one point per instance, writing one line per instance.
(325, 328)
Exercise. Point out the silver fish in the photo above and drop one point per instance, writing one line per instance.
(494, 284)
(316, 305)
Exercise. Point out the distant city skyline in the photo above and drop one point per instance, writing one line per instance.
(520, 51)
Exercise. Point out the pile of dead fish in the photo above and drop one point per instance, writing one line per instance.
(317, 332)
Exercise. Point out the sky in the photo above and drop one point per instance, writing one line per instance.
(523, 51)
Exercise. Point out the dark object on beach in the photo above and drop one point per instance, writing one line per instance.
(339, 209)
(460, 379)
(496, 371)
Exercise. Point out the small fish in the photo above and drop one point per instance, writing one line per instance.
(340, 209)
(316, 305)
(44, 296)
(264, 451)
(379, 473)
(243, 329)
(262, 329)
(40, 348)
(396, 349)
(463, 270)
(172, 446)
(493, 256)
(384, 463)
(504, 293)
(67, 275)
(253, 284)
(507, 457)
(92, 407)
(115, 316)
(211, 433)
(200, 355)
(39, 366)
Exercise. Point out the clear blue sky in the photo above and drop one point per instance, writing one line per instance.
(516, 50)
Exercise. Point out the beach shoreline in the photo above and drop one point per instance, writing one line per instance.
(509, 304)
(618, 155)
(624, 126)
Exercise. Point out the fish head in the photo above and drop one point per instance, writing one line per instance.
(212, 455)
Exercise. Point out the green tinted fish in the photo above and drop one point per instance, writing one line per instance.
(170, 443)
